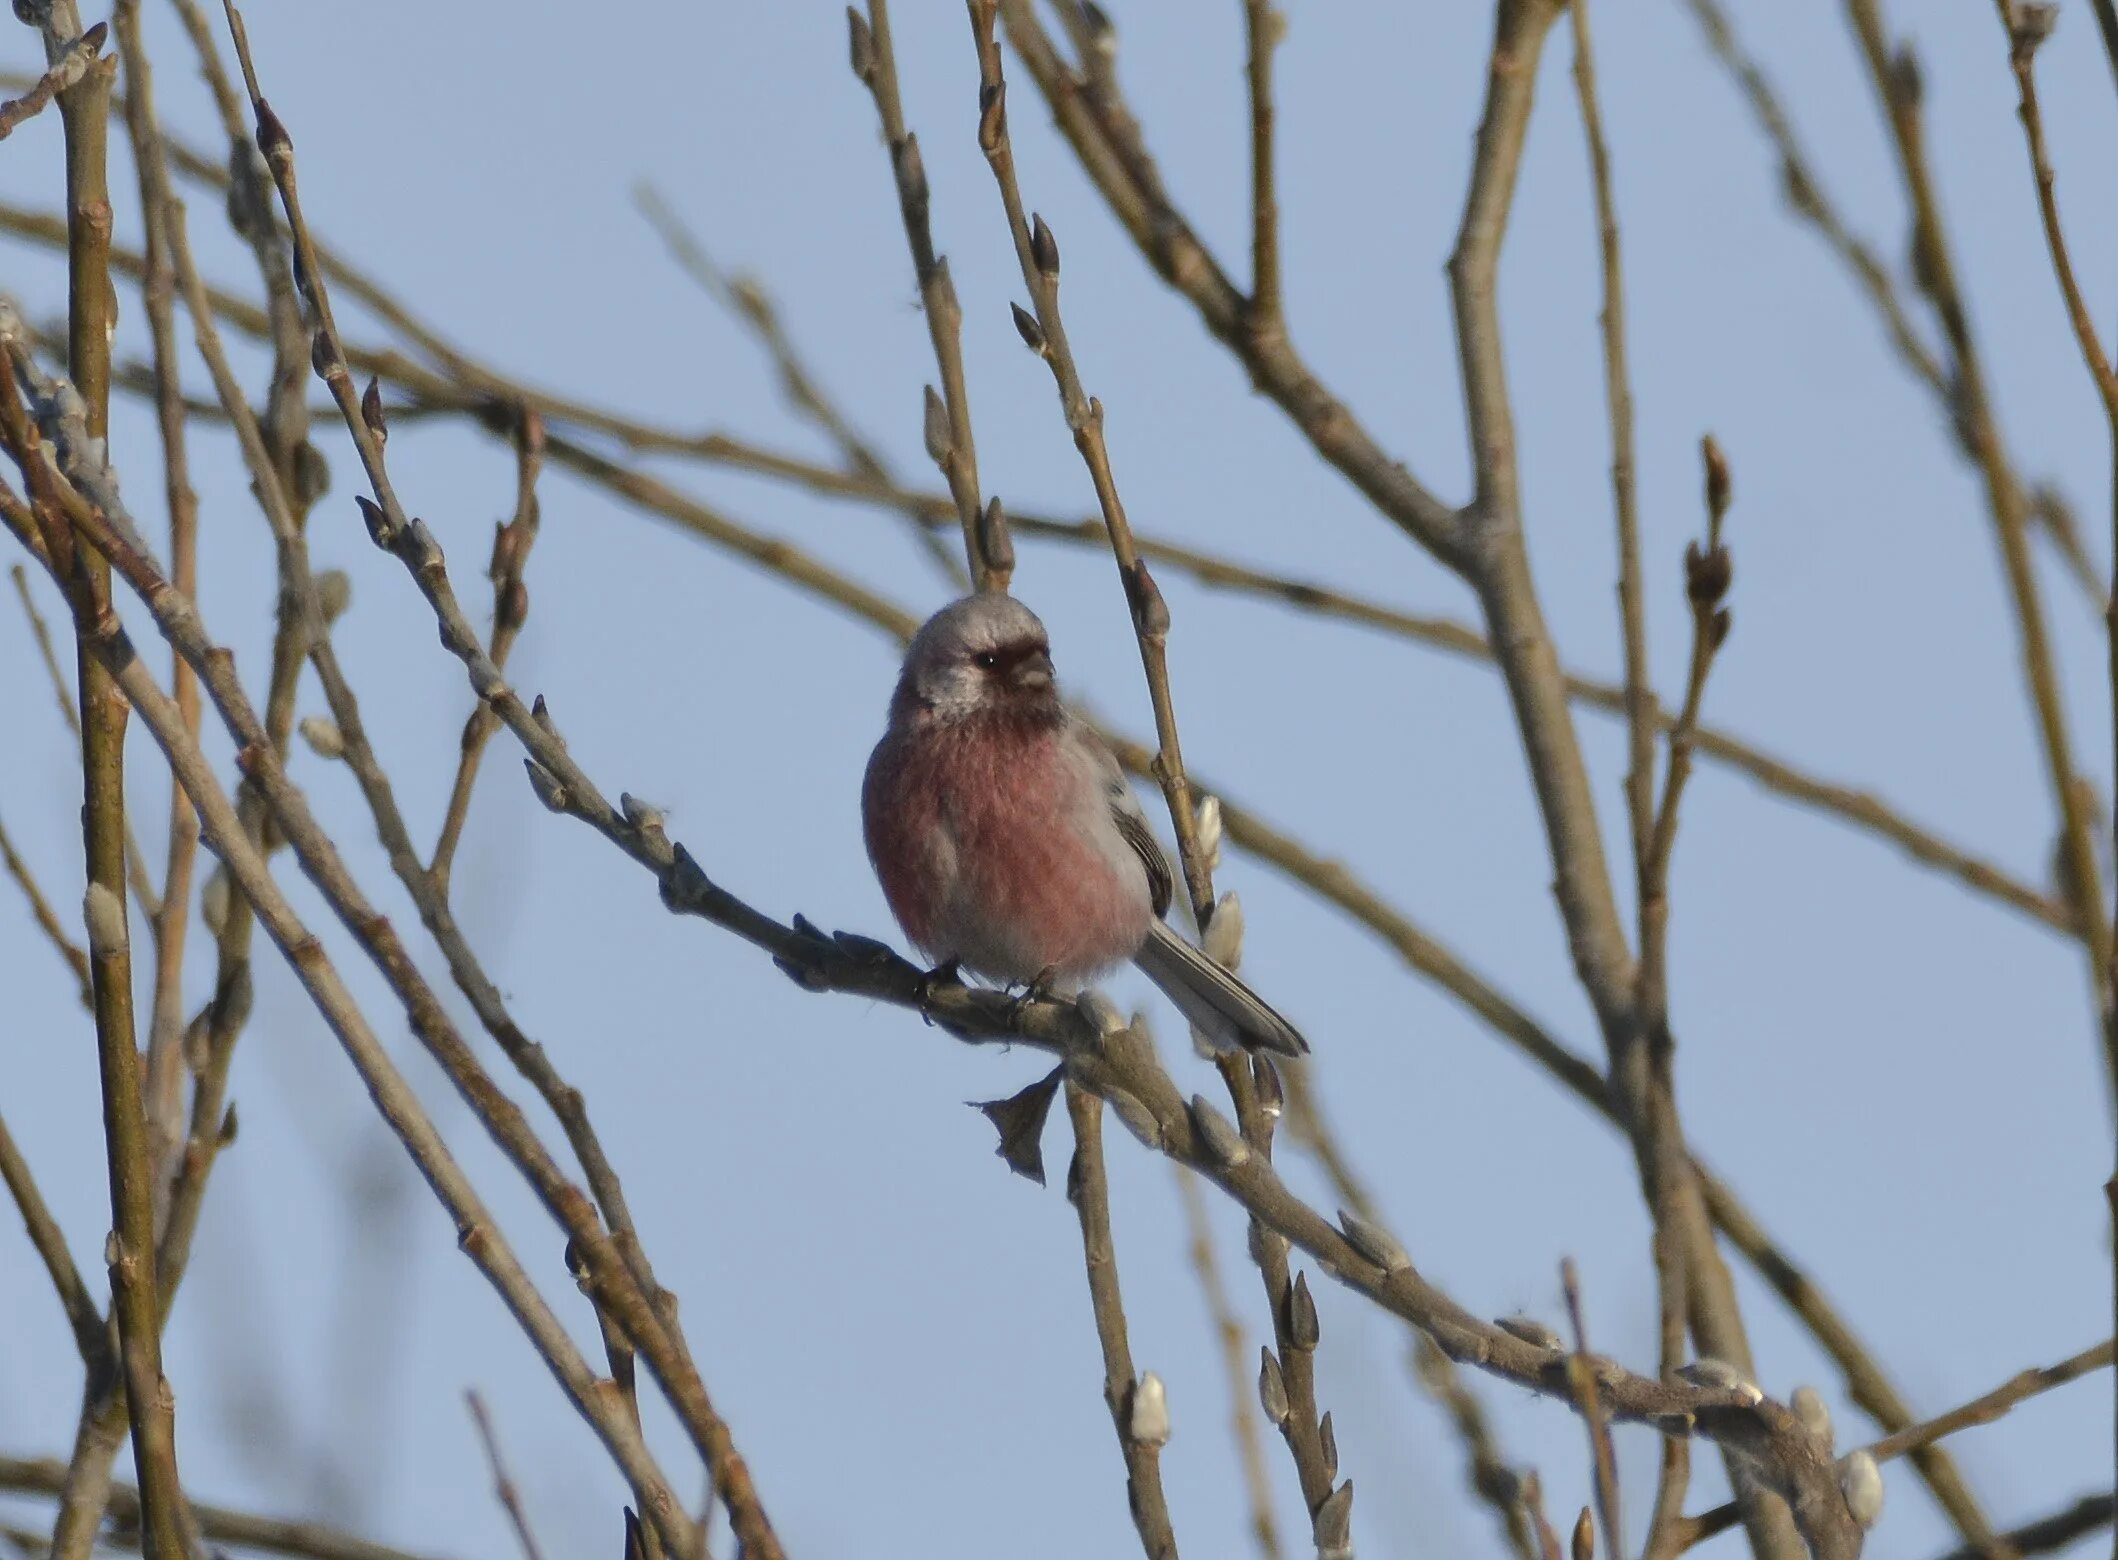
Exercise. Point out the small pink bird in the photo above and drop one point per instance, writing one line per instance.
(1007, 840)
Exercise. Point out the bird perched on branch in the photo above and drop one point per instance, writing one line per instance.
(1007, 840)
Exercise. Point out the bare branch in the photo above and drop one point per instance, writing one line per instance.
(1137, 1411)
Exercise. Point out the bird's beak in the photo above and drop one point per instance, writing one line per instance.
(1034, 671)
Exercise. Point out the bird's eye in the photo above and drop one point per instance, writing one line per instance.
(985, 660)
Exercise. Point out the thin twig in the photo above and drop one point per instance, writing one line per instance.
(1037, 254)
(271, 1535)
(72, 64)
(84, 110)
(484, 390)
(1981, 1410)
(503, 1486)
(2026, 27)
(1581, 1373)
(1808, 198)
(91, 1336)
(948, 416)
(46, 918)
(1263, 28)
(630, 1292)
(1798, 1288)
(1136, 1410)
(165, 1063)
(135, 859)
(511, 546)
(1492, 1478)
(1235, 1356)
(230, 839)
(2049, 1535)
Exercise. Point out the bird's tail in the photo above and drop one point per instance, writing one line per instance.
(1221, 1007)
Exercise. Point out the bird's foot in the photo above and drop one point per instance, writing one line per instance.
(1038, 990)
(943, 975)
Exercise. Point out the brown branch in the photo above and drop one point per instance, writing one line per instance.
(2049, 1535)
(230, 839)
(1491, 1477)
(91, 1336)
(1640, 712)
(511, 547)
(2026, 26)
(1110, 1064)
(172, 920)
(73, 62)
(1089, 119)
(1809, 200)
(1136, 1408)
(84, 110)
(491, 398)
(1037, 254)
(1894, 75)
(503, 1486)
(273, 1535)
(948, 416)
(1796, 1287)
(1981, 1410)
(1290, 1362)
(135, 858)
(1581, 1378)
(46, 918)
(631, 1294)
(1235, 1356)
(1264, 28)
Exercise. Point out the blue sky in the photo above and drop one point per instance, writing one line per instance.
(1901, 1079)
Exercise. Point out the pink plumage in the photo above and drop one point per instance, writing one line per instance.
(1005, 836)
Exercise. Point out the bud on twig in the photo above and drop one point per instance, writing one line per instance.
(1373, 1242)
(104, 912)
(1150, 611)
(992, 117)
(549, 791)
(1815, 1416)
(1138, 1119)
(1148, 1424)
(1223, 942)
(378, 523)
(912, 174)
(1328, 1438)
(1532, 1332)
(323, 736)
(1303, 1330)
(1719, 482)
(1720, 1376)
(1333, 1527)
(371, 410)
(272, 137)
(1584, 1544)
(1044, 248)
(1206, 824)
(1028, 329)
(334, 593)
(1223, 1144)
(1861, 1481)
(996, 543)
(940, 434)
(1272, 1388)
(860, 46)
(1272, 1094)
(213, 901)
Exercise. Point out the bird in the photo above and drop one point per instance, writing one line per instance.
(1007, 841)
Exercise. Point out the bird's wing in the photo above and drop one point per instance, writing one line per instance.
(1126, 813)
